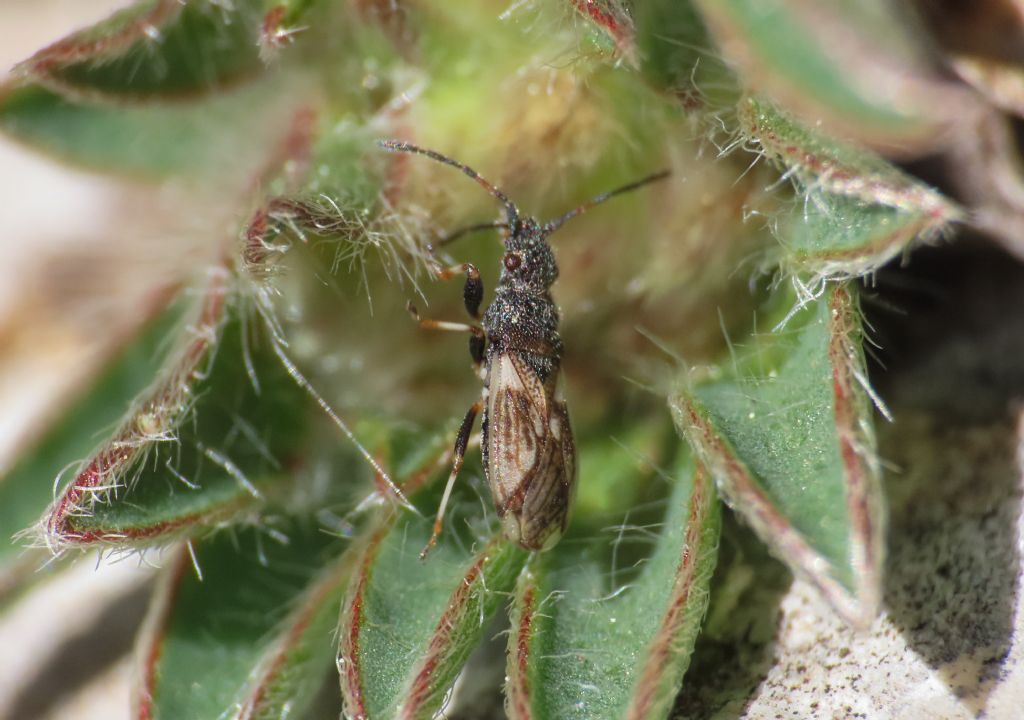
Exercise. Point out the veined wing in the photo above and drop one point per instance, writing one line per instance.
(531, 458)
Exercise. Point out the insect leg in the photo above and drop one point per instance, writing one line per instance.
(477, 342)
(472, 292)
(461, 441)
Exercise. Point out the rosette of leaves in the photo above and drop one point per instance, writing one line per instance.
(275, 430)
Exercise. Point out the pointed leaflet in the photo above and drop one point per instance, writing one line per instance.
(408, 625)
(29, 486)
(253, 637)
(851, 66)
(200, 445)
(155, 48)
(856, 212)
(583, 647)
(256, 635)
(216, 134)
(790, 443)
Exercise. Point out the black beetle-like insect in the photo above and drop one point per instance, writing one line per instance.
(529, 456)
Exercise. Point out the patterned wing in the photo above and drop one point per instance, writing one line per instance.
(531, 459)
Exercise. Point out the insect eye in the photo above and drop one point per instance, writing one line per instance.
(512, 261)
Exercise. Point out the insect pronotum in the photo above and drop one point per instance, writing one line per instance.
(529, 457)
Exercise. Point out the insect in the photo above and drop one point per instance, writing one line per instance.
(529, 456)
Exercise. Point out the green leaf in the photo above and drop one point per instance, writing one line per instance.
(252, 637)
(854, 67)
(677, 55)
(819, 162)
(202, 444)
(155, 48)
(215, 135)
(587, 645)
(28, 487)
(837, 237)
(790, 442)
(408, 625)
(857, 211)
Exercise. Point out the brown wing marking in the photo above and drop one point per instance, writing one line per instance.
(531, 461)
(548, 498)
(517, 433)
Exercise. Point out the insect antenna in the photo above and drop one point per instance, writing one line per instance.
(552, 225)
(511, 211)
(456, 234)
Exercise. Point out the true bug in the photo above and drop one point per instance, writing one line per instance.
(529, 456)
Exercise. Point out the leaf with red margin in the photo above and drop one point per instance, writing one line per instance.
(220, 136)
(155, 48)
(202, 444)
(857, 211)
(790, 442)
(250, 639)
(585, 646)
(407, 626)
(28, 487)
(854, 68)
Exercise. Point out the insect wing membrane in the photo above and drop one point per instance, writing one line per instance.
(531, 459)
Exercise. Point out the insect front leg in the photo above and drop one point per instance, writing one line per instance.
(477, 340)
(459, 454)
(472, 291)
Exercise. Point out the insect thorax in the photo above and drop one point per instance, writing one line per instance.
(525, 323)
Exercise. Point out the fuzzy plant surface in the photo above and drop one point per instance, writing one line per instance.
(275, 431)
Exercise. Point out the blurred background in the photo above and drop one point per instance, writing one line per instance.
(66, 238)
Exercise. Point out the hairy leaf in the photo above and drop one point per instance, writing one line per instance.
(408, 625)
(819, 162)
(585, 646)
(837, 237)
(155, 48)
(856, 212)
(249, 639)
(29, 486)
(222, 422)
(790, 442)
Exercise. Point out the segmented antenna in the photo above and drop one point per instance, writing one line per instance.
(552, 225)
(453, 236)
(510, 208)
